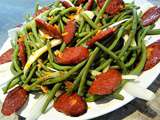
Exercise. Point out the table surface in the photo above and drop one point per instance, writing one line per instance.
(12, 13)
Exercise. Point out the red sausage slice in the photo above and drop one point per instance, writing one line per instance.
(151, 16)
(40, 11)
(114, 7)
(100, 36)
(70, 30)
(65, 4)
(15, 99)
(106, 83)
(72, 55)
(22, 54)
(89, 4)
(153, 55)
(80, 2)
(72, 105)
(7, 56)
(48, 28)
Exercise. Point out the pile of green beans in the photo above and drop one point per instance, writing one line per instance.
(112, 52)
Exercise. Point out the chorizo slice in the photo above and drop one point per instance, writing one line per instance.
(15, 99)
(65, 4)
(72, 55)
(7, 56)
(80, 2)
(153, 55)
(100, 36)
(40, 11)
(72, 105)
(70, 30)
(90, 4)
(151, 16)
(114, 7)
(106, 83)
(21, 51)
(49, 29)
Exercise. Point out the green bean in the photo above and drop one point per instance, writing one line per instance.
(82, 34)
(14, 72)
(86, 70)
(67, 75)
(54, 12)
(119, 35)
(154, 32)
(36, 7)
(61, 26)
(88, 28)
(70, 9)
(89, 83)
(137, 70)
(76, 82)
(15, 60)
(86, 37)
(131, 35)
(59, 67)
(63, 47)
(34, 30)
(28, 51)
(132, 60)
(81, 26)
(104, 65)
(64, 19)
(50, 54)
(30, 74)
(84, 28)
(12, 84)
(55, 19)
(51, 94)
(144, 34)
(90, 22)
(114, 56)
(102, 11)
(124, 14)
(7, 87)
(118, 96)
(92, 98)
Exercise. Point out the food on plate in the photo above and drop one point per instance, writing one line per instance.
(101, 35)
(81, 50)
(21, 51)
(72, 105)
(151, 16)
(114, 7)
(7, 56)
(69, 31)
(153, 55)
(106, 83)
(14, 101)
(72, 55)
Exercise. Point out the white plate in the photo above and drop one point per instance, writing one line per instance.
(101, 107)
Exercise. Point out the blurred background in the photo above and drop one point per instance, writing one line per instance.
(12, 13)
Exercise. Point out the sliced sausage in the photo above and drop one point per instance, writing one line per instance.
(21, 52)
(114, 7)
(90, 4)
(48, 28)
(65, 4)
(106, 83)
(151, 16)
(72, 105)
(40, 11)
(100, 36)
(153, 55)
(7, 56)
(72, 55)
(80, 2)
(15, 99)
(70, 30)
